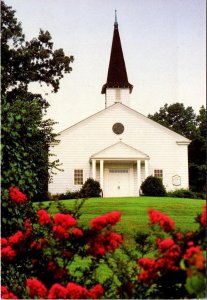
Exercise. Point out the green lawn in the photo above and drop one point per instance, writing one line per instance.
(134, 211)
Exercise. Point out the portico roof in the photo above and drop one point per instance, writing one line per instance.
(120, 151)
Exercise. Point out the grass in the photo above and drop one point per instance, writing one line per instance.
(134, 212)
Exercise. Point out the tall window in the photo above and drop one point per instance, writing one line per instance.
(158, 174)
(78, 177)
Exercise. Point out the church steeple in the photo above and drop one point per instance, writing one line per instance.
(116, 23)
(117, 75)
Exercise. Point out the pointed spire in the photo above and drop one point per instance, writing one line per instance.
(117, 74)
(116, 23)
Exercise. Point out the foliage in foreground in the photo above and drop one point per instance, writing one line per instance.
(56, 258)
(26, 134)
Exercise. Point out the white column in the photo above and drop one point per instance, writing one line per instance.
(94, 169)
(138, 175)
(101, 173)
(146, 168)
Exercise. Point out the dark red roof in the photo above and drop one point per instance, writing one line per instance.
(117, 74)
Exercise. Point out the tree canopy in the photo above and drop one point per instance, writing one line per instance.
(26, 137)
(24, 61)
(178, 118)
(185, 122)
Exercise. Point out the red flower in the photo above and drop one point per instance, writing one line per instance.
(191, 251)
(77, 232)
(16, 238)
(102, 244)
(169, 249)
(164, 221)
(57, 291)
(114, 217)
(179, 236)
(97, 292)
(44, 217)
(146, 263)
(203, 217)
(100, 222)
(146, 276)
(189, 234)
(76, 291)
(17, 196)
(165, 263)
(149, 271)
(5, 294)
(60, 274)
(28, 227)
(67, 253)
(60, 232)
(52, 266)
(8, 253)
(65, 221)
(195, 257)
(4, 242)
(36, 288)
(37, 245)
(164, 245)
(152, 268)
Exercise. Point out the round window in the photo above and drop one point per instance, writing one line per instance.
(118, 128)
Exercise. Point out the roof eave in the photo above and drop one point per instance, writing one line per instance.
(105, 86)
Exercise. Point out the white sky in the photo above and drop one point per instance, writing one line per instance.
(163, 42)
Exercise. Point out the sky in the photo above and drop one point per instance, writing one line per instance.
(163, 42)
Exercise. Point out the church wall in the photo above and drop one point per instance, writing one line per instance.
(80, 142)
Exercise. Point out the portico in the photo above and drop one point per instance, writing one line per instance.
(120, 169)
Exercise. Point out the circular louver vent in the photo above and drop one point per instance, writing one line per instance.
(118, 128)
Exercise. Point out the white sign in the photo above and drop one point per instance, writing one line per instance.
(176, 180)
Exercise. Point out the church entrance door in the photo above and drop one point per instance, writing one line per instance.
(118, 182)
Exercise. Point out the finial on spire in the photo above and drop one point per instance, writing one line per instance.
(116, 23)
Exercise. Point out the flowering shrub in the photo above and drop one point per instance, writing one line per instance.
(179, 262)
(53, 257)
(17, 196)
(15, 208)
(160, 218)
(109, 219)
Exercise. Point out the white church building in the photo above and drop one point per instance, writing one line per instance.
(118, 146)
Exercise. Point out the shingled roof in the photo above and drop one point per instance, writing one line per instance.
(117, 74)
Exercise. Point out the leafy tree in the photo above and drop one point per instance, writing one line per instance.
(178, 118)
(197, 154)
(185, 122)
(25, 136)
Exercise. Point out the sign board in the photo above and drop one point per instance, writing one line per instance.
(176, 180)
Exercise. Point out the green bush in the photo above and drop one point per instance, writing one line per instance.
(69, 195)
(182, 193)
(91, 188)
(153, 186)
(200, 195)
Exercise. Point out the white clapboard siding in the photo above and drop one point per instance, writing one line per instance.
(94, 134)
(117, 95)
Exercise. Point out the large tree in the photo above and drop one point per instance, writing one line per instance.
(197, 154)
(25, 136)
(185, 122)
(178, 118)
